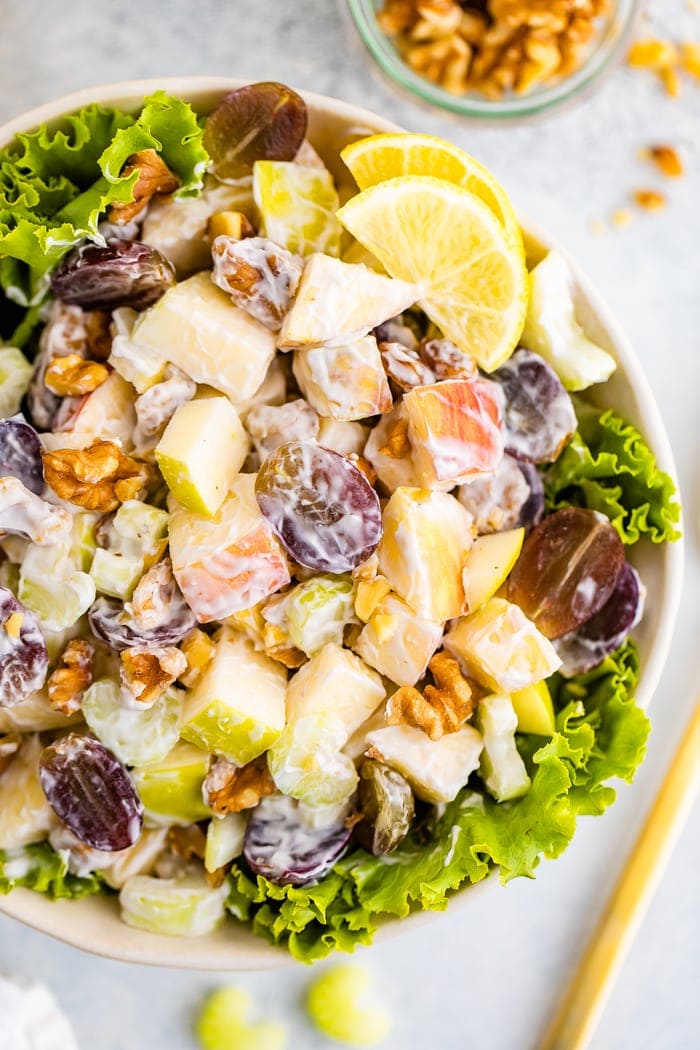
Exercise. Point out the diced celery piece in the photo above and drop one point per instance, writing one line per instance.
(84, 543)
(223, 1024)
(306, 761)
(318, 610)
(225, 837)
(137, 736)
(186, 907)
(502, 768)
(138, 527)
(52, 588)
(15, 376)
(115, 574)
(336, 1004)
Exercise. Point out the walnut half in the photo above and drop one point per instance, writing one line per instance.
(154, 178)
(440, 708)
(98, 478)
(147, 673)
(67, 685)
(231, 789)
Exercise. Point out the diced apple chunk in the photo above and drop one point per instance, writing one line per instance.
(196, 327)
(435, 769)
(337, 302)
(106, 414)
(344, 382)
(335, 681)
(534, 709)
(398, 642)
(454, 429)
(489, 561)
(394, 467)
(237, 707)
(423, 551)
(501, 648)
(171, 790)
(343, 437)
(25, 815)
(201, 452)
(229, 562)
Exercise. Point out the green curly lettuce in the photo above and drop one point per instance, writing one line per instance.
(40, 868)
(600, 734)
(608, 467)
(55, 186)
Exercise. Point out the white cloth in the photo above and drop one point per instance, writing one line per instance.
(31, 1018)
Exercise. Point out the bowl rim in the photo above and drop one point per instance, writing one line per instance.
(218, 951)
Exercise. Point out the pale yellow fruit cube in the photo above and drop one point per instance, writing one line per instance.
(490, 560)
(344, 382)
(427, 536)
(342, 436)
(397, 642)
(435, 769)
(229, 562)
(335, 681)
(196, 327)
(393, 470)
(338, 302)
(501, 648)
(237, 708)
(25, 815)
(107, 414)
(201, 452)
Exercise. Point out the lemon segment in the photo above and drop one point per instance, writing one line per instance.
(443, 238)
(380, 157)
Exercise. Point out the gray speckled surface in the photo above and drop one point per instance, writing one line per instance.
(489, 974)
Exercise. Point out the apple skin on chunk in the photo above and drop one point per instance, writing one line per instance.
(171, 790)
(535, 710)
(489, 561)
(229, 562)
(196, 327)
(107, 414)
(423, 552)
(237, 708)
(455, 429)
(201, 452)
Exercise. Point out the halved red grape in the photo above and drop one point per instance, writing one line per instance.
(322, 508)
(532, 510)
(539, 414)
(265, 121)
(91, 792)
(20, 454)
(586, 647)
(111, 622)
(567, 570)
(285, 850)
(23, 657)
(122, 273)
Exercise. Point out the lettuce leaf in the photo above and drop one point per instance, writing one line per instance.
(601, 734)
(40, 868)
(608, 467)
(55, 186)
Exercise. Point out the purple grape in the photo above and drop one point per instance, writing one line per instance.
(112, 624)
(498, 500)
(280, 846)
(91, 792)
(123, 273)
(265, 121)
(322, 508)
(586, 647)
(532, 510)
(23, 657)
(539, 415)
(20, 454)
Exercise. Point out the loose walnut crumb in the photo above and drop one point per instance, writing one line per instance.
(397, 444)
(147, 673)
(666, 159)
(72, 376)
(649, 200)
(230, 789)
(671, 81)
(652, 54)
(98, 478)
(446, 360)
(260, 277)
(72, 676)
(188, 842)
(198, 650)
(440, 708)
(10, 744)
(404, 367)
(155, 178)
(229, 224)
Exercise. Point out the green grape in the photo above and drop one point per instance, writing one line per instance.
(137, 736)
(223, 1024)
(335, 1005)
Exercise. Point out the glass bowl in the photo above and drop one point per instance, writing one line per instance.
(607, 47)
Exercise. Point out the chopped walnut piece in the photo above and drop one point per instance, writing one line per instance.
(152, 602)
(73, 376)
(652, 53)
(666, 159)
(10, 744)
(198, 650)
(146, 673)
(229, 224)
(260, 277)
(155, 178)
(446, 360)
(649, 200)
(440, 708)
(622, 217)
(71, 677)
(368, 596)
(404, 367)
(187, 842)
(397, 443)
(271, 425)
(24, 513)
(230, 789)
(98, 477)
(155, 406)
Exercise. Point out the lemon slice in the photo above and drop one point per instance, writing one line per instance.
(443, 238)
(380, 157)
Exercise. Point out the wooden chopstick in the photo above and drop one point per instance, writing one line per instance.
(580, 1009)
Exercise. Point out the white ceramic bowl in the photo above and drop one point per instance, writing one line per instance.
(93, 924)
